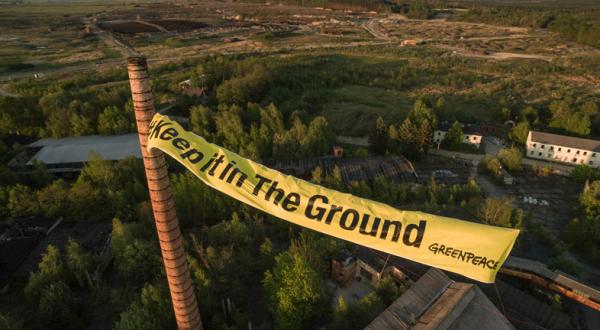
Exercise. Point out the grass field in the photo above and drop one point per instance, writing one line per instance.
(354, 108)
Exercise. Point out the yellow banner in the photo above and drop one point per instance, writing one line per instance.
(474, 250)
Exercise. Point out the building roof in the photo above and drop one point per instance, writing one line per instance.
(435, 301)
(565, 141)
(541, 269)
(466, 128)
(77, 149)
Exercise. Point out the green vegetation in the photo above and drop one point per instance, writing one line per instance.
(577, 24)
(294, 304)
(583, 173)
(511, 159)
(500, 212)
(454, 137)
(583, 231)
(266, 271)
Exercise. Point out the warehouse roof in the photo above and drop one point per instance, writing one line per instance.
(77, 149)
(437, 302)
(565, 141)
(565, 280)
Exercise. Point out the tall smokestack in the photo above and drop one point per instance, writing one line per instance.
(169, 235)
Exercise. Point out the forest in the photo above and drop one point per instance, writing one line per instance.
(267, 107)
(235, 252)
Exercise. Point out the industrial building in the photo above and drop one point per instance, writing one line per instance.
(437, 302)
(471, 134)
(563, 149)
(71, 153)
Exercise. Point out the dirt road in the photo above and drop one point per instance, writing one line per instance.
(109, 38)
(372, 26)
(5, 93)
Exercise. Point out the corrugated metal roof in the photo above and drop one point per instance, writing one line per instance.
(565, 141)
(407, 309)
(435, 301)
(77, 149)
(560, 278)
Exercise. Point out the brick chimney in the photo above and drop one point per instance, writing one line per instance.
(169, 235)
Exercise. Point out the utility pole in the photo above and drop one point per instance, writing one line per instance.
(163, 206)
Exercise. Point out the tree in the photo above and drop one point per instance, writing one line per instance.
(195, 201)
(58, 123)
(79, 263)
(229, 127)
(519, 133)
(582, 173)
(53, 199)
(584, 231)
(394, 143)
(201, 121)
(414, 140)
(7, 177)
(490, 165)
(20, 202)
(285, 145)
(88, 203)
(317, 175)
(454, 137)
(113, 121)
(81, 125)
(57, 307)
(99, 173)
(319, 137)
(136, 259)
(153, 310)
(8, 322)
(295, 292)
(567, 120)
(378, 136)
(49, 294)
(422, 113)
(529, 115)
(496, 211)
(387, 290)
(511, 159)
(335, 180)
(589, 108)
(40, 177)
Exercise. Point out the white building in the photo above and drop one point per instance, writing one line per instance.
(564, 149)
(471, 135)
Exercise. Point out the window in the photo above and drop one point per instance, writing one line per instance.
(439, 133)
(591, 162)
(542, 146)
(594, 154)
(534, 145)
(574, 160)
(577, 153)
(466, 137)
(552, 148)
(559, 149)
(585, 153)
(531, 153)
(474, 138)
(569, 150)
(549, 155)
(539, 154)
